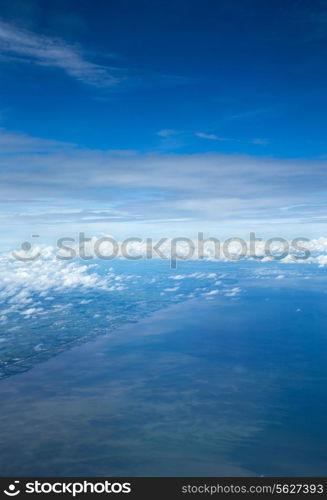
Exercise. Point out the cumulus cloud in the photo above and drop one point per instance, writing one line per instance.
(43, 275)
(23, 284)
(170, 250)
(28, 290)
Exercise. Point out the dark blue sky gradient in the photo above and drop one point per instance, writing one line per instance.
(241, 70)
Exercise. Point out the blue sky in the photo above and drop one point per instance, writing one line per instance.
(163, 117)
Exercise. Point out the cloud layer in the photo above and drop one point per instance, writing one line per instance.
(44, 180)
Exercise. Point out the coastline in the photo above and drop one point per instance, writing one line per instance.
(187, 391)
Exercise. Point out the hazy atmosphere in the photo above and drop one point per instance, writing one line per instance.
(144, 147)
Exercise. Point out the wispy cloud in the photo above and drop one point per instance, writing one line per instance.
(15, 143)
(248, 114)
(167, 132)
(211, 137)
(24, 45)
(260, 141)
(214, 137)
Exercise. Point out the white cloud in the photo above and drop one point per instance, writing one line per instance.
(22, 285)
(234, 292)
(25, 287)
(260, 141)
(97, 186)
(166, 132)
(211, 137)
(46, 51)
(214, 137)
(18, 143)
(170, 249)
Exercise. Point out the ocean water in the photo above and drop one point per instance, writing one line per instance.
(132, 369)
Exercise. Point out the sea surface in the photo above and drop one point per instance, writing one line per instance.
(213, 369)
